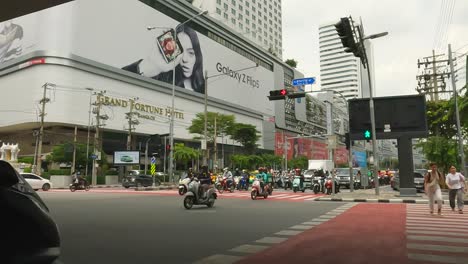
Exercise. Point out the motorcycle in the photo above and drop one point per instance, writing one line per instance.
(222, 185)
(257, 190)
(236, 182)
(329, 186)
(318, 185)
(287, 183)
(297, 184)
(183, 185)
(242, 184)
(76, 186)
(194, 197)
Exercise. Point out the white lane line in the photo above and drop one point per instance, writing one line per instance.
(333, 213)
(441, 248)
(288, 232)
(271, 240)
(319, 220)
(301, 227)
(439, 259)
(248, 248)
(288, 197)
(438, 219)
(302, 197)
(427, 232)
(327, 216)
(433, 225)
(437, 238)
(311, 223)
(436, 228)
(219, 259)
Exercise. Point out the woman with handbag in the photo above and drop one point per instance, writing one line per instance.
(432, 187)
(456, 182)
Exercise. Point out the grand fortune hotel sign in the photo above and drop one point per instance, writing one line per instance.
(145, 111)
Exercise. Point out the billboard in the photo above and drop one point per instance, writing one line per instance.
(121, 39)
(126, 157)
(359, 159)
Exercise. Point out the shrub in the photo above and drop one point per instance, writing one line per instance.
(46, 175)
(29, 160)
(27, 170)
(111, 172)
(60, 172)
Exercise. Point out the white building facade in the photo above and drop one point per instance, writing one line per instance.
(257, 20)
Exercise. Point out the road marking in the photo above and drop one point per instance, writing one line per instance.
(319, 220)
(290, 196)
(439, 219)
(301, 227)
(219, 259)
(327, 216)
(279, 195)
(441, 248)
(436, 228)
(248, 248)
(440, 259)
(427, 225)
(288, 233)
(302, 197)
(427, 232)
(437, 238)
(334, 213)
(272, 240)
(311, 223)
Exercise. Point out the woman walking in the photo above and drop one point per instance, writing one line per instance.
(432, 182)
(456, 182)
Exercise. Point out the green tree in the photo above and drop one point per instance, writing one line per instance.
(241, 161)
(269, 160)
(247, 135)
(184, 154)
(291, 62)
(440, 150)
(301, 162)
(63, 153)
(224, 124)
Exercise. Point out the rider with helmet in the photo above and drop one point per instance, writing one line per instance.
(263, 177)
(228, 175)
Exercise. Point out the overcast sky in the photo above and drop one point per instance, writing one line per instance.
(411, 25)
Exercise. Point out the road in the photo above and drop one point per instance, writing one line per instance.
(98, 227)
(117, 226)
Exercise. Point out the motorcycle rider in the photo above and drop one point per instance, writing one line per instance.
(298, 173)
(228, 175)
(79, 180)
(245, 176)
(263, 177)
(205, 181)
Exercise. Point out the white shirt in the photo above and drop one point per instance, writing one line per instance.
(454, 180)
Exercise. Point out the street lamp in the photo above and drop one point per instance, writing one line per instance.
(171, 128)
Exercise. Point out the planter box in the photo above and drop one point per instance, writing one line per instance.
(112, 179)
(60, 181)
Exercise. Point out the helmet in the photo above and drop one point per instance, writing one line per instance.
(237, 169)
(244, 170)
(226, 169)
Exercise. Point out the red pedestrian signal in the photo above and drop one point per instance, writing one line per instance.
(278, 94)
(283, 92)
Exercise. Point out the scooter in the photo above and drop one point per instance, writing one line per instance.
(318, 185)
(243, 184)
(222, 185)
(287, 183)
(76, 186)
(257, 190)
(297, 184)
(183, 185)
(329, 186)
(194, 197)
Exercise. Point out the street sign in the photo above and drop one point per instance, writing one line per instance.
(153, 160)
(93, 156)
(303, 81)
(153, 169)
(203, 144)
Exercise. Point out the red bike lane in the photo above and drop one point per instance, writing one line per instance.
(366, 233)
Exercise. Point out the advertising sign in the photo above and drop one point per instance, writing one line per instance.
(359, 159)
(127, 157)
(121, 39)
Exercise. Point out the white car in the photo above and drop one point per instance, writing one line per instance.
(37, 182)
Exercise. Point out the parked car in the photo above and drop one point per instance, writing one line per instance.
(342, 175)
(37, 182)
(139, 180)
(29, 232)
(418, 181)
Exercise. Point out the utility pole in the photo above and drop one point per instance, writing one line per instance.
(74, 152)
(97, 111)
(132, 122)
(43, 102)
(205, 133)
(461, 152)
(428, 81)
(215, 143)
(434, 77)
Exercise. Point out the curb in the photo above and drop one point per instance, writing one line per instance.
(162, 187)
(158, 188)
(415, 201)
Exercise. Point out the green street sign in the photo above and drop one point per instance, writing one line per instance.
(367, 134)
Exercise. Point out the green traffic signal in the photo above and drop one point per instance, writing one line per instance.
(367, 134)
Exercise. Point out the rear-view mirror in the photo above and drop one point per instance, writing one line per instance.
(8, 175)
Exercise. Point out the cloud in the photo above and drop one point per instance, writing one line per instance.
(411, 25)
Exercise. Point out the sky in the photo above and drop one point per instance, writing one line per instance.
(413, 27)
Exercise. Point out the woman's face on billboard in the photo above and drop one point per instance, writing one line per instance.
(188, 57)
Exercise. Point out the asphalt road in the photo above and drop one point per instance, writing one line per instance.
(134, 228)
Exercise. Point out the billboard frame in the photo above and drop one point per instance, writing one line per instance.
(126, 163)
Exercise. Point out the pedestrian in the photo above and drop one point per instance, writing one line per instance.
(456, 182)
(432, 187)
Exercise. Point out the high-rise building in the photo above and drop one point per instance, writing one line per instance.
(341, 71)
(258, 20)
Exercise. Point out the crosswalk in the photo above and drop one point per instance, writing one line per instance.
(436, 238)
(288, 196)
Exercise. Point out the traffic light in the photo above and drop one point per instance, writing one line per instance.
(345, 31)
(278, 94)
(347, 141)
(367, 134)
(168, 148)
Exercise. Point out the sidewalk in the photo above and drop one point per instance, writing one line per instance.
(387, 195)
(163, 186)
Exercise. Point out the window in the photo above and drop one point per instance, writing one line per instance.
(233, 2)
(241, 8)
(254, 26)
(233, 20)
(226, 7)
(259, 30)
(259, 5)
(26, 176)
(218, 2)
(254, 9)
(254, 17)
(241, 17)
(271, 30)
(265, 34)
(233, 11)
(247, 30)
(265, 10)
(270, 14)
(276, 11)
(254, 35)
(218, 11)
(247, 12)
(260, 22)
(247, 4)
(265, 18)
(226, 16)
(259, 13)
(265, 42)
(247, 22)
(271, 37)
(260, 38)
(241, 26)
